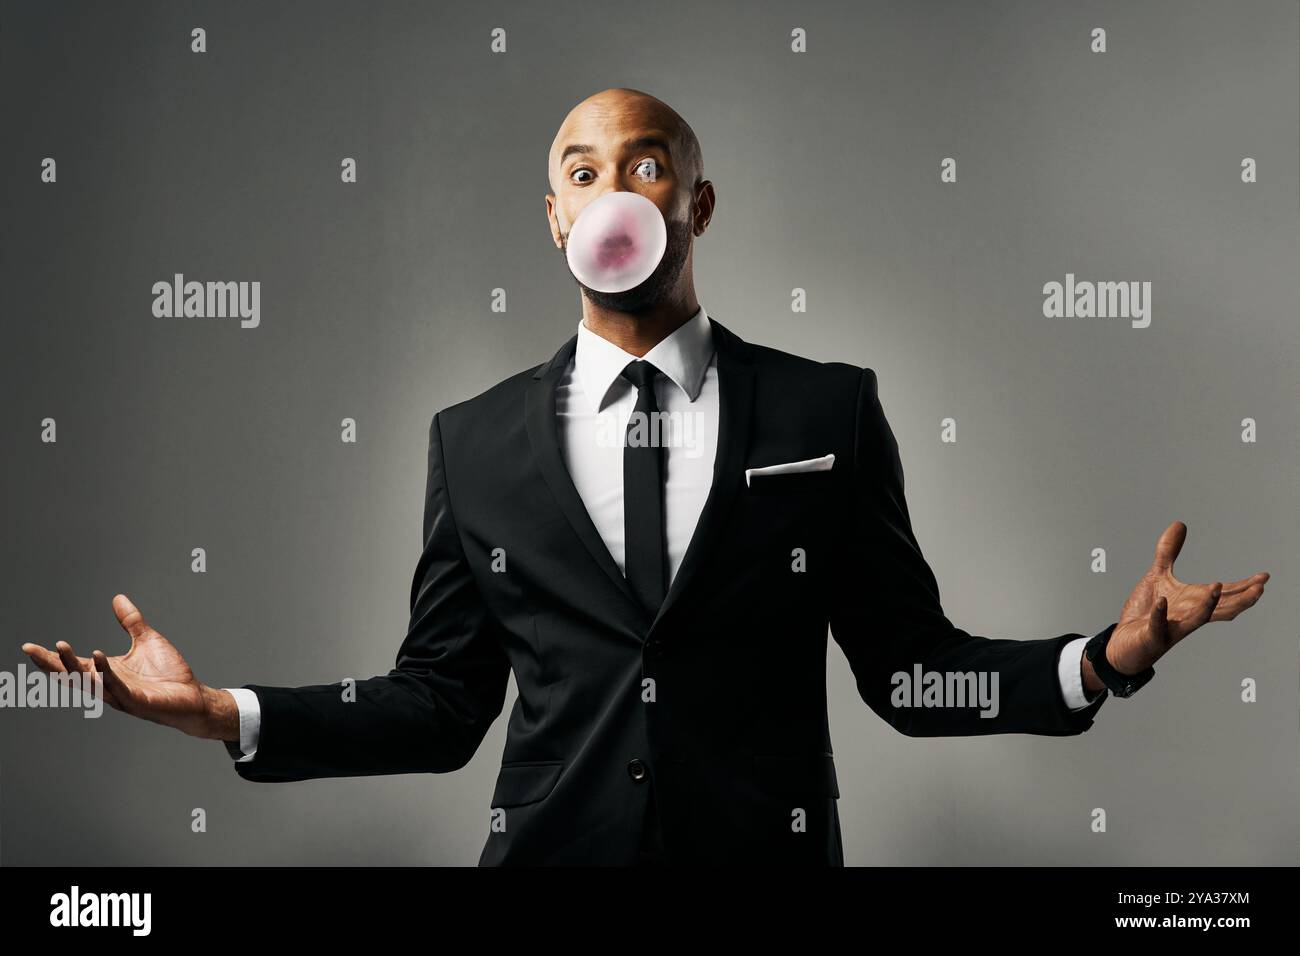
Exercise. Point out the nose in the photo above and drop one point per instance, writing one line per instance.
(594, 195)
(616, 188)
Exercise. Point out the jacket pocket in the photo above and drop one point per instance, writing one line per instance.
(800, 482)
(525, 782)
(798, 774)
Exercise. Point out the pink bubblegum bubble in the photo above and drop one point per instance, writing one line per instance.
(616, 242)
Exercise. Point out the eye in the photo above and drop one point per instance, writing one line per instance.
(580, 169)
(654, 169)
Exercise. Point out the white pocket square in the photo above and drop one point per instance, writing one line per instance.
(824, 463)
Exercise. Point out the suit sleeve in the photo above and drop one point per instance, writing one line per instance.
(428, 714)
(888, 619)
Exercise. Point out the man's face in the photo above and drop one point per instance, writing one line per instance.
(608, 146)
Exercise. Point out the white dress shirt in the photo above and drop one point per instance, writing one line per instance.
(593, 405)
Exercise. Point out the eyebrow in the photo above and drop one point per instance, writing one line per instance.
(640, 142)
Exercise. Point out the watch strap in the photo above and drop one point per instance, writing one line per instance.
(1121, 685)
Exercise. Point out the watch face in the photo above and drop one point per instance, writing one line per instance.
(1133, 683)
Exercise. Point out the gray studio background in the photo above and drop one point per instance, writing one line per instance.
(1072, 434)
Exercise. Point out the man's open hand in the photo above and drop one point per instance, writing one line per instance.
(151, 680)
(1162, 610)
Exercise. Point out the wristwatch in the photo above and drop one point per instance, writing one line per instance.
(1121, 685)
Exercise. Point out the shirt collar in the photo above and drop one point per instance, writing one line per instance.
(683, 357)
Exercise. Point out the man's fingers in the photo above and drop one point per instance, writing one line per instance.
(1202, 611)
(1232, 587)
(113, 686)
(1230, 605)
(1167, 548)
(129, 616)
(71, 662)
(52, 663)
(102, 688)
(1158, 624)
(97, 682)
(45, 659)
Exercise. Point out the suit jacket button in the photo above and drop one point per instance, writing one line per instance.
(636, 769)
(655, 648)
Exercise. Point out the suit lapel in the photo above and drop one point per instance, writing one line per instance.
(735, 414)
(735, 399)
(543, 436)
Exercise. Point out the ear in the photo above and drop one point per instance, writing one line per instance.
(705, 203)
(555, 224)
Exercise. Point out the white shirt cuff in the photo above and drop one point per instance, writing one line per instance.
(1069, 668)
(250, 721)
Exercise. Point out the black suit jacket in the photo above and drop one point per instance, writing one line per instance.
(717, 703)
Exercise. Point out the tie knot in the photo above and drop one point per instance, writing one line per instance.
(640, 373)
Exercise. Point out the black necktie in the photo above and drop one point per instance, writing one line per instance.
(646, 558)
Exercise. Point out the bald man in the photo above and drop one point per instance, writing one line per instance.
(664, 607)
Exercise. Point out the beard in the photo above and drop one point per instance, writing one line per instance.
(656, 287)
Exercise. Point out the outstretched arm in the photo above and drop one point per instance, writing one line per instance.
(894, 632)
(428, 714)
(913, 666)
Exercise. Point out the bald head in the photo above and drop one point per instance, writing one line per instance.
(589, 128)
